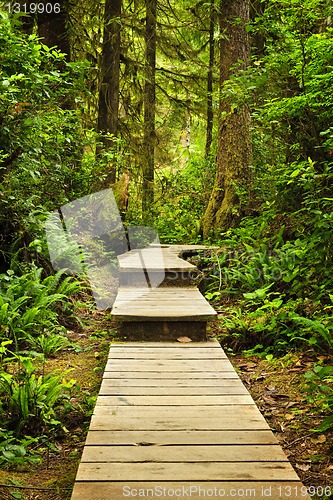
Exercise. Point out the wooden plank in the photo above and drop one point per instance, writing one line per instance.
(164, 369)
(110, 390)
(241, 471)
(164, 313)
(153, 259)
(222, 423)
(180, 375)
(210, 343)
(239, 412)
(149, 383)
(173, 348)
(174, 400)
(142, 303)
(164, 355)
(184, 437)
(217, 362)
(169, 365)
(170, 349)
(183, 454)
(153, 293)
(194, 490)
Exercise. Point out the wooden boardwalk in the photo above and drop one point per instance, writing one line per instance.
(156, 300)
(173, 420)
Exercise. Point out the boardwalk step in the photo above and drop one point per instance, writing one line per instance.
(196, 490)
(162, 304)
(173, 416)
(174, 419)
(155, 299)
(156, 266)
(162, 313)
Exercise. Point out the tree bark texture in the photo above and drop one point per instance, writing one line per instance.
(108, 102)
(149, 109)
(234, 137)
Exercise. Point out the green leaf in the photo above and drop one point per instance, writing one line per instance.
(326, 424)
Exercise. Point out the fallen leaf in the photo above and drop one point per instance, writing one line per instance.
(184, 339)
(289, 416)
(322, 358)
(269, 400)
(280, 396)
(319, 439)
(292, 403)
(246, 366)
(303, 467)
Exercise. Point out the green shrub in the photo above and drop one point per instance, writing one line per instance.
(30, 401)
(29, 304)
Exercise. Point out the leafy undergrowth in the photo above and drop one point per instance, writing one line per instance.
(283, 391)
(53, 477)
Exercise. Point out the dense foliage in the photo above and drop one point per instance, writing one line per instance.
(272, 277)
(280, 259)
(41, 139)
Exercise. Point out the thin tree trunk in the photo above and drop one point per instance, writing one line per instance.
(232, 181)
(108, 103)
(149, 109)
(210, 114)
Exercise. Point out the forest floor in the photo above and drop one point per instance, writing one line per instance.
(277, 385)
(280, 391)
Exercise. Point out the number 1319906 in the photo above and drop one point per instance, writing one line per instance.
(32, 8)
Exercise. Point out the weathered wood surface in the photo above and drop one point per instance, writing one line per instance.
(209, 344)
(158, 374)
(172, 415)
(184, 454)
(193, 489)
(169, 365)
(163, 304)
(146, 422)
(186, 437)
(182, 471)
(155, 299)
(174, 419)
(108, 389)
(154, 259)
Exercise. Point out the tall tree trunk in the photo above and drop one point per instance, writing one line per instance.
(210, 114)
(108, 103)
(234, 138)
(52, 27)
(149, 109)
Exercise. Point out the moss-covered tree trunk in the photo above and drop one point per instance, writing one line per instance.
(232, 181)
(108, 102)
(149, 109)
